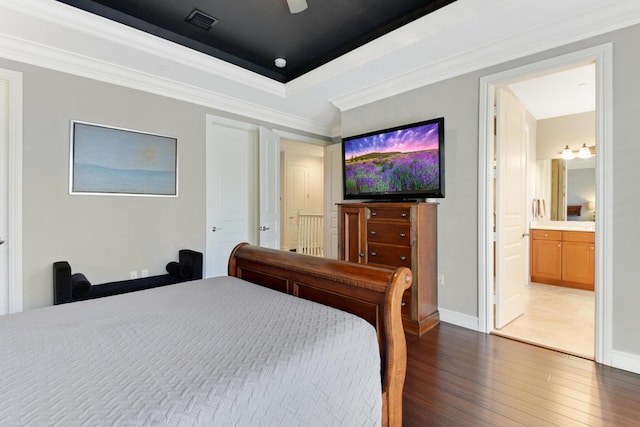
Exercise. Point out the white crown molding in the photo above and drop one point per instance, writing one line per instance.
(530, 41)
(88, 23)
(68, 62)
(360, 77)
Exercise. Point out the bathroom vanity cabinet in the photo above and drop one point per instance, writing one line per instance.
(563, 258)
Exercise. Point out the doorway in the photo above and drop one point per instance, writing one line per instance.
(488, 300)
(302, 190)
(545, 114)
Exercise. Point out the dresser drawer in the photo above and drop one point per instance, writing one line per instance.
(546, 235)
(395, 234)
(401, 214)
(394, 256)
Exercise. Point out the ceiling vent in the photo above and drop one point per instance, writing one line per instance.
(201, 20)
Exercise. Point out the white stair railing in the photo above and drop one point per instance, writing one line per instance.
(310, 234)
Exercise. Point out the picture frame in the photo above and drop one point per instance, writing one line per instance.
(107, 160)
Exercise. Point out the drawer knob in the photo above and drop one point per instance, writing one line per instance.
(373, 232)
(403, 214)
(373, 254)
(404, 304)
(559, 245)
(403, 234)
(361, 254)
(403, 258)
(546, 235)
(374, 213)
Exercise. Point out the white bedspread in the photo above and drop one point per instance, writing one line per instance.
(214, 352)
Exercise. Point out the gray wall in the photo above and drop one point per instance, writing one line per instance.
(104, 237)
(457, 100)
(457, 213)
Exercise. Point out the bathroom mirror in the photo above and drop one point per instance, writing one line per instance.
(566, 189)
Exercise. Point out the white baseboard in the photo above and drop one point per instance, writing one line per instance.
(458, 319)
(626, 361)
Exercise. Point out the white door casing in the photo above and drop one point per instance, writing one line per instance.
(511, 216)
(269, 177)
(11, 297)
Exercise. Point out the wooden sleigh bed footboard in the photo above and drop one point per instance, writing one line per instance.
(375, 294)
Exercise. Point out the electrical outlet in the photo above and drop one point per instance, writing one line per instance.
(144, 273)
(133, 274)
(441, 279)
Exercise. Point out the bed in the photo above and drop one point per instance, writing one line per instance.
(217, 351)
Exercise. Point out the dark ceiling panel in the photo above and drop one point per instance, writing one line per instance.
(252, 33)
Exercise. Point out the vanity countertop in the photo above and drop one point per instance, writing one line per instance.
(564, 225)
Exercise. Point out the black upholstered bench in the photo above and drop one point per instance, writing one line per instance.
(69, 287)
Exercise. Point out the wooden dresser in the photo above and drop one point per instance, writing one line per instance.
(397, 235)
(563, 258)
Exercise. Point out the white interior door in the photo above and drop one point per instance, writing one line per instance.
(511, 250)
(11, 297)
(4, 207)
(269, 177)
(231, 165)
(332, 195)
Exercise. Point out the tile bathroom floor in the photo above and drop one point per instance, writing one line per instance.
(558, 318)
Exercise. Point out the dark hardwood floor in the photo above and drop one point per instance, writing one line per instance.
(459, 377)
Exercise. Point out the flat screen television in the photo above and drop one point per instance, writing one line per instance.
(401, 163)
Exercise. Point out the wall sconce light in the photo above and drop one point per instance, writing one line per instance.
(567, 154)
(584, 152)
(590, 205)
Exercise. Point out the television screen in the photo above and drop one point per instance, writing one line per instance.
(404, 162)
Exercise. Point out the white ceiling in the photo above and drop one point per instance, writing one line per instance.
(464, 36)
(560, 93)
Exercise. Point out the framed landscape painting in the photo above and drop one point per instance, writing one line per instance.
(109, 160)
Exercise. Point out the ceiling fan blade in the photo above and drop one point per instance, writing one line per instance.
(296, 6)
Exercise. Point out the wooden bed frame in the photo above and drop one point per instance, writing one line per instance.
(375, 294)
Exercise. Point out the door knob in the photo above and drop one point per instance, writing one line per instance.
(264, 228)
(214, 229)
(1, 241)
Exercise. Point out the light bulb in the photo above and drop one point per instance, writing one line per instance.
(567, 154)
(584, 152)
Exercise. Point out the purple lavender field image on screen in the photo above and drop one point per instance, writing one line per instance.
(406, 160)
